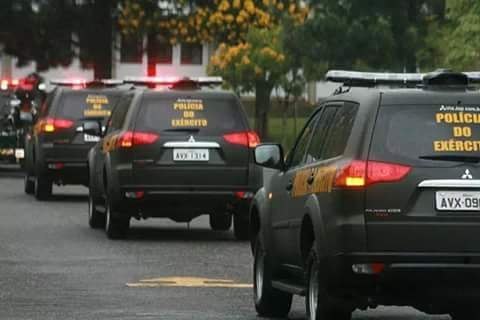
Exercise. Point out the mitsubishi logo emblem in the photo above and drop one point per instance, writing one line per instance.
(192, 139)
(467, 175)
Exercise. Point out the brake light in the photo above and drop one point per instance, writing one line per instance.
(364, 173)
(129, 139)
(245, 138)
(4, 85)
(53, 124)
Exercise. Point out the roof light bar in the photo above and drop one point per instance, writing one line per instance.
(443, 77)
(205, 81)
(374, 77)
(85, 83)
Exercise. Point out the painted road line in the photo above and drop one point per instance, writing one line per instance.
(187, 282)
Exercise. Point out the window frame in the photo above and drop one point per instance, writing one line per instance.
(312, 120)
(191, 61)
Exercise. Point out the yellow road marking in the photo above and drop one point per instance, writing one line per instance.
(190, 282)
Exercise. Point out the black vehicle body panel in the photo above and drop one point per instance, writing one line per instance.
(425, 252)
(180, 191)
(66, 146)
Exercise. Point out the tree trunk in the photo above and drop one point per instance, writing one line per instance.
(263, 91)
(152, 51)
(286, 106)
(102, 64)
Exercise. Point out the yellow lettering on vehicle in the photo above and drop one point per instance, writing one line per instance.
(458, 118)
(323, 179)
(456, 146)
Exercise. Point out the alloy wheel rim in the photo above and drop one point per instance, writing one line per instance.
(313, 290)
(259, 275)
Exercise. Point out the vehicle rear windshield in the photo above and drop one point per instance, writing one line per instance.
(86, 105)
(207, 116)
(430, 135)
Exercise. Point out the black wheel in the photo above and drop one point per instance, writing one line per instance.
(241, 226)
(319, 305)
(220, 222)
(116, 227)
(269, 302)
(42, 188)
(96, 219)
(29, 184)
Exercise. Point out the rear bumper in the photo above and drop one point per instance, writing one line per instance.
(65, 164)
(409, 278)
(180, 204)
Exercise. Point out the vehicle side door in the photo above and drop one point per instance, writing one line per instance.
(284, 198)
(324, 157)
(303, 182)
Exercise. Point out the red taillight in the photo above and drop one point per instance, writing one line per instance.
(53, 124)
(245, 138)
(129, 139)
(364, 173)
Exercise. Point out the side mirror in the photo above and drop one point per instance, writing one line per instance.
(26, 117)
(92, 128)
(269, 156)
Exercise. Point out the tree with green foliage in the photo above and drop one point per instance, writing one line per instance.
(457, 38)
(250, 28)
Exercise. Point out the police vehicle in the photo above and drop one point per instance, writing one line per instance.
(15, 104)
(57, 148)
(174, 148)
(378, 203)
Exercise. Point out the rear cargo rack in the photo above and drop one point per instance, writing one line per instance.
(81, 83)
(174, 82)
(438, 78)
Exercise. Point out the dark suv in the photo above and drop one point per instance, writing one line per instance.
(378, 203)
(57, 146)
(177, 151)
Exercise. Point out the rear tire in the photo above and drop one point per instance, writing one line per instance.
(116, 227)
(29, 184)
(269, 302)
(220, 222)
(241, 225)
(42, 187)
(96, 219)
(319, 304)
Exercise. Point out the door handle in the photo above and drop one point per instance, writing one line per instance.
(289, 186)
(311, 179)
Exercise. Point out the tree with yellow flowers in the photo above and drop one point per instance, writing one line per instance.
(250, 56)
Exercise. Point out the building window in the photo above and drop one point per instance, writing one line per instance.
(159, 50)
(191, 54)
(131, 50)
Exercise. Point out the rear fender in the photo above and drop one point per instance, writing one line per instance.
(316, 216)
(260, 217)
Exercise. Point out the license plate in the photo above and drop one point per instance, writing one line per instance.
(19, 153)
(191, 155)
(90, 138)
(457, 201)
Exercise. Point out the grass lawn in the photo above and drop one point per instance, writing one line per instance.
(276, 132)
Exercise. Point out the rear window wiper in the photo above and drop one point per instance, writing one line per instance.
(182, 130)
(452, 157)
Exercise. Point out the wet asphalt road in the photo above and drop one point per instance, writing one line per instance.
(52, 266)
